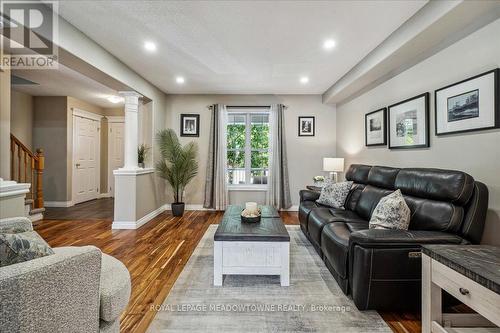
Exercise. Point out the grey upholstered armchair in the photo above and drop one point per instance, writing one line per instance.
(77, 289)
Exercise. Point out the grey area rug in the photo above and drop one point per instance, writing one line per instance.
(312, 303)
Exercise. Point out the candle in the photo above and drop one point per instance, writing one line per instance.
(251, 206)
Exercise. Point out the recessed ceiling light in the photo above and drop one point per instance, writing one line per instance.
(329, 44)
(180, 80)
(150, 46)
(115, 99)
(304, 80)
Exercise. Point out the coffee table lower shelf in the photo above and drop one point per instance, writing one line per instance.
(251, 258)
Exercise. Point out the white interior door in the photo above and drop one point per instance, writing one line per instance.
(86, 167)
(115, 152)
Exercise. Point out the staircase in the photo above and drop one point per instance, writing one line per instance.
(27, 167)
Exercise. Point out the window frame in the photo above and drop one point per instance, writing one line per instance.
(247, 112)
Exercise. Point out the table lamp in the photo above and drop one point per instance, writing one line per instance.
(333, 165)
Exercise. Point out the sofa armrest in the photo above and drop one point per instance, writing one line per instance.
(387, 238)
(14, 225)
(63, 287)
(308, 195)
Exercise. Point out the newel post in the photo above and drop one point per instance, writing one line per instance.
(39, 166)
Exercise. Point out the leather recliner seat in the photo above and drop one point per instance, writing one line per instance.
(381, 269)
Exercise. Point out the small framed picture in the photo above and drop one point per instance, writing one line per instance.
(409, 123)
(306, 126)
(376, 128)
(190, 125)
(468, 105)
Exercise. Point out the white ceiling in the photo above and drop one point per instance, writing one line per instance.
(239, 46)
(65, 82)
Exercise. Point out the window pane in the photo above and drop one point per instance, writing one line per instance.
(236, 131)
(259, 176)
(260, 159)
(259, 131)
(236, 176)
(236, 159)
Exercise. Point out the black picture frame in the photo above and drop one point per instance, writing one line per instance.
(196, 118)
(384, 121)
(426, 144)
(312, 133)
(496, 103)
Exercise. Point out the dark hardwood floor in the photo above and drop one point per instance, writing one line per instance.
(155, 254)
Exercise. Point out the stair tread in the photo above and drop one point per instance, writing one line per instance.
(37, 211)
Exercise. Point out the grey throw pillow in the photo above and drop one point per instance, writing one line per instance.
(334, 194)
(23, 246)
(391, 212)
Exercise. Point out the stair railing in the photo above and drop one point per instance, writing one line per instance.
(27, 167)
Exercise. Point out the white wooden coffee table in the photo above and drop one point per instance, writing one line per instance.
(252, 248)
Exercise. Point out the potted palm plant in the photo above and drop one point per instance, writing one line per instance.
(142, 152)
(178, 165)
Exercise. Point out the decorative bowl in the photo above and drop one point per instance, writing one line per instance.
(248, 219)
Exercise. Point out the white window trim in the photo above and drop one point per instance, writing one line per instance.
(248, 150)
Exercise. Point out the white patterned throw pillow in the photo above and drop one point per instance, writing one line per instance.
(334, 194)
(391, 212)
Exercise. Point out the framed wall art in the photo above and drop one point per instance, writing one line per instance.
(408, 123)
(468, 105)
(376, 128)
(306, 126)
(190, 124)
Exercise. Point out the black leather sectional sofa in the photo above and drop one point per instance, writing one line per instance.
(381, 269)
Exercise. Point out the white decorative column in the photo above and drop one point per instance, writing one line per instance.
(131, 129)
(131, 207)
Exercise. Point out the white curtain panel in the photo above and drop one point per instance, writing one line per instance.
(278, 185)
(221, 192)
(216, 193)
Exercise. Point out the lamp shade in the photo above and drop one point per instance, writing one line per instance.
(333, 164)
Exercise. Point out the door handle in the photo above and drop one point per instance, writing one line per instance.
(77, 165)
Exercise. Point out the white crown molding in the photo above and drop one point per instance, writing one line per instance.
(86, 114)
(133, 172)
(115, 119)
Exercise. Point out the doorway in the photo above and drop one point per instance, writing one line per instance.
(86, 156)
(116, 128)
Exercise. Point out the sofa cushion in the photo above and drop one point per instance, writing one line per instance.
(391, 212)
(368, 200)
(320, 217)
(334, 194)
(114, 288)
(442, 185)
(335, 243)
(21, 247)
(304, 210)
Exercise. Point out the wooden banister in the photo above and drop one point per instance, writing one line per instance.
(27, 164)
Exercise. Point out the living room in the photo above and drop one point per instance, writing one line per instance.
(286, 166)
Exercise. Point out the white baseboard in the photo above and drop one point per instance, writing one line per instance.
(136, 224)
(58, 203)
(104, 195)
(188, 207)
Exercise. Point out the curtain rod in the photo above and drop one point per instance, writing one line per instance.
(248, 106)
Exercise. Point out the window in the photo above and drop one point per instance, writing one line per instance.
(247, 148)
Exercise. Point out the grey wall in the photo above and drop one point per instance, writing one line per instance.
(50, 133)
(304, 153)
(21, 117)
(5, 123)
(477, 153)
